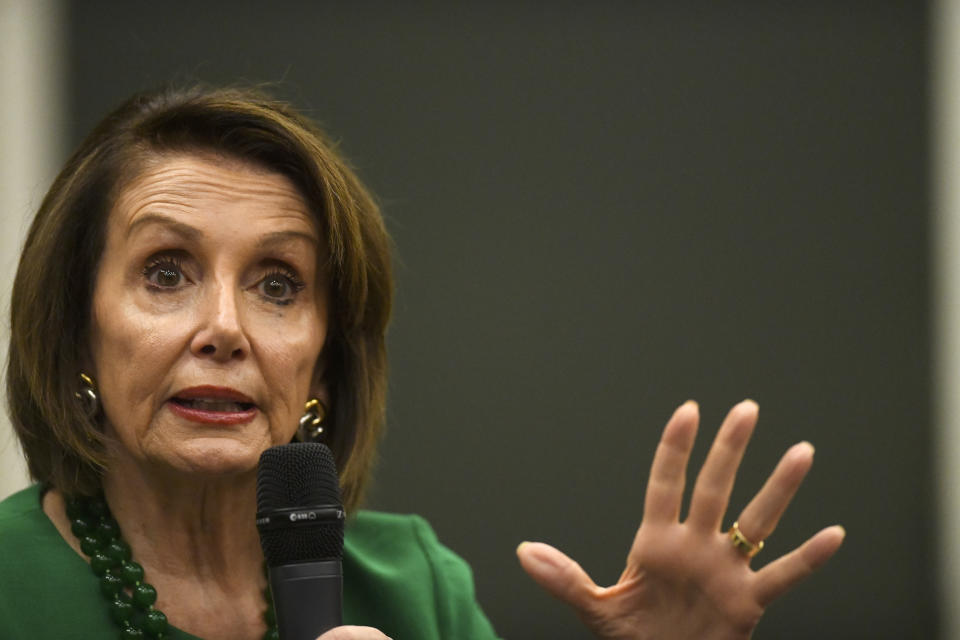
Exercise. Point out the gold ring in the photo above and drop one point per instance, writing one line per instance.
(742, 544)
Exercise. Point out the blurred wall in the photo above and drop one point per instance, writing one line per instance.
(601, 210)
(945, 232)
(31, 148)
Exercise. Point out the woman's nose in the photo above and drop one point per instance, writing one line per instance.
(220, 334)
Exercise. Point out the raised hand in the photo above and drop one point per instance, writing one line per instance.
(690, 579)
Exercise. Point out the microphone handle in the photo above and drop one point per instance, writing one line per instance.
(307, 598)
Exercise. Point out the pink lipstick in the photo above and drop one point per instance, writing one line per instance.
(213, 405)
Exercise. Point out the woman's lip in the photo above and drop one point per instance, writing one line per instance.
(211, 392)
(212, 417)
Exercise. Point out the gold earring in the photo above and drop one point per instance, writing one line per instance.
(311, 425)
(88, 395)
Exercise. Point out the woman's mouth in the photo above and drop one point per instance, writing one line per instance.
(213, 405)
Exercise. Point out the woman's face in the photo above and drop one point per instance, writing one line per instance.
(208, 314)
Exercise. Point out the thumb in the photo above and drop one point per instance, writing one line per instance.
(558, 574)
(353, 633)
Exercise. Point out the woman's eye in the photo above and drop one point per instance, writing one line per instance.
(280, 288)
(275, 288)
(164, 274)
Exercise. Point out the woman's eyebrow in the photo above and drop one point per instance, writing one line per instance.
(180, 228)
(266, 241)
(275, 238)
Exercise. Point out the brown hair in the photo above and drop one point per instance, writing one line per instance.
(52, 293)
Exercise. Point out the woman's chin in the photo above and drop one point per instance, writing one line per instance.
(216, 457)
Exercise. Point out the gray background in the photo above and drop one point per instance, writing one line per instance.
(601, 210)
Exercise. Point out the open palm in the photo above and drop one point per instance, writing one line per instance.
(687, 579)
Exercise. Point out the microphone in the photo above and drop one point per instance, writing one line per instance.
(300, 519)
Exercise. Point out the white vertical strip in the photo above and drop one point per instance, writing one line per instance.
(945, 244)
(31, 123)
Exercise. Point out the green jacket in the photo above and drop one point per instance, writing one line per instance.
(397, 578)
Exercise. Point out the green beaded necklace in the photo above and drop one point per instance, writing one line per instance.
(130, 598)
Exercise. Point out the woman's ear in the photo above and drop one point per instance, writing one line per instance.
(85, 363)
(84, 351)
(312, 424)
(321, 393)
(318, 385)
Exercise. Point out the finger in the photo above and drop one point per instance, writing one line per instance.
(668, 472)
(711, 493)
(785, 572)
(353, 633)
(760, 517)
(563, 578)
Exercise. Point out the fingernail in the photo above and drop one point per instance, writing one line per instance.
(752, 405)
(521, 545)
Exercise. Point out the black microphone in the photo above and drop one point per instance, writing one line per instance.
(300, 518)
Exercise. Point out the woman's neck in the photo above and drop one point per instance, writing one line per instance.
(189, 526)
(197, 541)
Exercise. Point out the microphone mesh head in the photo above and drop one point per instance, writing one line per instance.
(299, 475)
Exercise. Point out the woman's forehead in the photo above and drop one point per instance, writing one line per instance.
(196, 185)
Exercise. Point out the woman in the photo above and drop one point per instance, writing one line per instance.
(205, 272)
